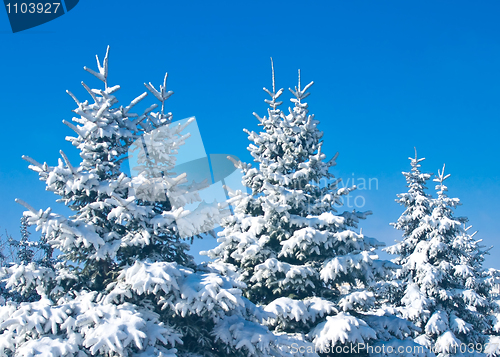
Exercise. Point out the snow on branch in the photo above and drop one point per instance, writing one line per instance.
(90, 92)
(35, 163)
(27, 205)
(66, 160)
(103, 70)
(134, 102)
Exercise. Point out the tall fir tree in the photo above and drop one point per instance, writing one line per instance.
(444, 286)
(298, 257)
(124, 284)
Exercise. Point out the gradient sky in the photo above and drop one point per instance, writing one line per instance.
(389, 75)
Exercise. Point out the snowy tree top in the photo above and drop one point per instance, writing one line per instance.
(300, 93)
(441, 187)
(274, 95)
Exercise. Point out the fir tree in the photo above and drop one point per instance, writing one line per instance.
(124, 284)
(418, 205)
(493, 346)
(299, 258)
(25, 252)
(443, 282)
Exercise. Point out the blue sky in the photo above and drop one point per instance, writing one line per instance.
(389, 75)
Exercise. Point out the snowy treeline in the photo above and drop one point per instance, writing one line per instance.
(124, 283)
(290, 276)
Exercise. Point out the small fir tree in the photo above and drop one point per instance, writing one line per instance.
(418, 205)
(443, 282)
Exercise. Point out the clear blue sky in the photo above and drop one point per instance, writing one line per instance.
(389, 75)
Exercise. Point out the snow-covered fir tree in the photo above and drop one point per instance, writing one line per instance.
(298, 257)
(124, 284)
(23, 251)
(417, 204)
(494, 283)
(443, 284)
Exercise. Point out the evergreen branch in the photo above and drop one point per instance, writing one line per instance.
(90, 92)
(272, 70)
(102, 109)
(106, 65)
(26, 205)
(32, 161)
(153, 90)
(258, 117)
(135, 101)
(332, 162)
(74, 98)
(74, 128)
(97, 75)
(112, 89)
(66, 160)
